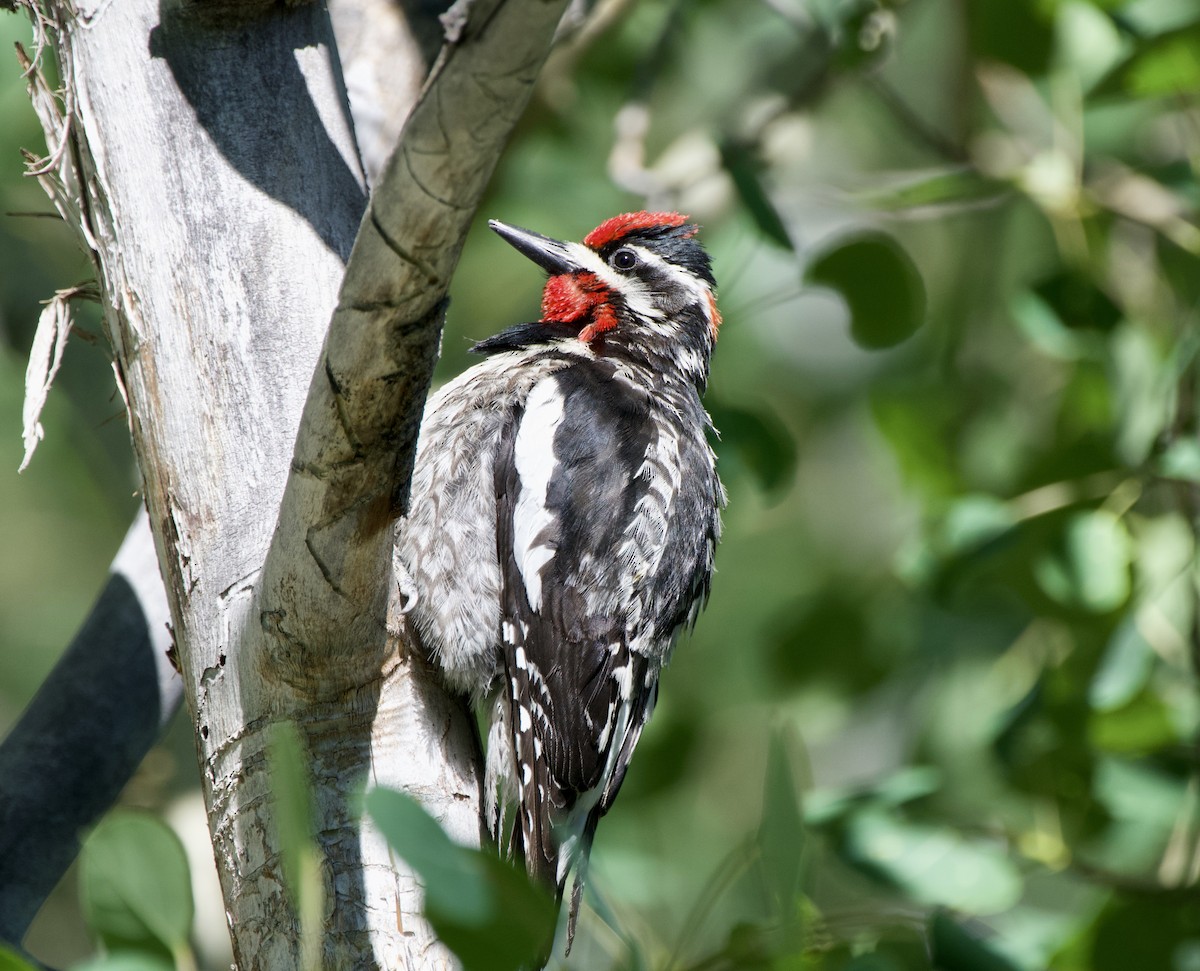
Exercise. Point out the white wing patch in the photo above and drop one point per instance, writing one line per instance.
(535, 464)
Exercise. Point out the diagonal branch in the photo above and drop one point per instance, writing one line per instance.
(354, 451)
(75, 747)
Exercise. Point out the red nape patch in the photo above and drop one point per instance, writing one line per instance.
(619, 226)
(714, 316)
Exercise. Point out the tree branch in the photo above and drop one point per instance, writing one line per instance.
(349, 477)
(74, 748)
(55, 783)
(386, 48)
(216, 316)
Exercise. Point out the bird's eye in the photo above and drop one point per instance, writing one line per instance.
(624, 259)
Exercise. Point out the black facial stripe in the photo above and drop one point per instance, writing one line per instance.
(675, 244)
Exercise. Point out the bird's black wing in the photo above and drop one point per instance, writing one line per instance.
(566, 481)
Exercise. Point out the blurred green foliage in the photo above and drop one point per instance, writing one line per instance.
(135, 888)
(484, 908)
(954, 625)
(291, 791)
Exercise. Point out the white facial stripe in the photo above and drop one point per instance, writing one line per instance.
(535, 462)
(637, 298)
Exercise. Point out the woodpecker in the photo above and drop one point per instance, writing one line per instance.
(564, 513)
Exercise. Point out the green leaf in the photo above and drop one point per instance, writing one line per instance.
(757, 440)
(1140, 792)
(135, 883)
(292, 799)
(482, 907)
(919, 425)
(1089, 570)
(1167, 65)
(1123, 671)
(11, 961)
(1078, 303)
(745, 169)
(1142, 726)
(781, 832)
(520, 932)
(1181, 460)
(291, 795)
(454, 878)
(971, 523)
(1089, 42)
(908, 784)
(934, 865)
(951, 188)
(1042, 327)
(1013, 31)
(954, 948)
(1142, 392)
(126, 961)
(1146, 933)
(880, 284)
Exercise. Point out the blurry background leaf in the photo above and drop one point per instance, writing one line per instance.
(1181, 460)
(1127, 662)
(136, 888)
(1090, 568)
(933, 864)
(1139, 932)
(1017, 32)
(755, 442)
(955, 949)
(291, 791)
(1077, 302)
(127, 961)
(950, 187)
(746, 172)
(781, 832)
(1167, 65)
(11, 961)
(483, 908)
(880, 284)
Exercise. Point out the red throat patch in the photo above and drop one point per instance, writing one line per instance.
(570, 297)
(619, 226)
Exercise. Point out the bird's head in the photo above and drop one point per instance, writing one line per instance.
(640, 286)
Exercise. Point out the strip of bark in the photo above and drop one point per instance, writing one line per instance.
(353, 459)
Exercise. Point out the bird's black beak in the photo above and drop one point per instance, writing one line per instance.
(551, 255)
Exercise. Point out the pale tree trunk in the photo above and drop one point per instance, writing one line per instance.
(212, 168)
(113, 690)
